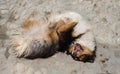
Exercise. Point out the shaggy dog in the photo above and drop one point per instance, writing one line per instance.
(43, 37)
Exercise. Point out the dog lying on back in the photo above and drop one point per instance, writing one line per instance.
(44, 37)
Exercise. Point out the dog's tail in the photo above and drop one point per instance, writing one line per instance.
(21, 45)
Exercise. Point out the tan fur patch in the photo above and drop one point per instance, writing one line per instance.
(71, 48)
(59, 24)
(30, 22)
(27, 24)
(51, 35)
(67, 26)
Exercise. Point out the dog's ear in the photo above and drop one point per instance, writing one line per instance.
(67, 26)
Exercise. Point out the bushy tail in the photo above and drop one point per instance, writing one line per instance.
(21, 45)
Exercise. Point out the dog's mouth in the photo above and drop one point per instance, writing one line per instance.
(78, 48)
(79, 54)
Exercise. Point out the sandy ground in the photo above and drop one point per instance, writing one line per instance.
(104, 16)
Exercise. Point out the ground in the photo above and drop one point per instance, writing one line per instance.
(103, 15)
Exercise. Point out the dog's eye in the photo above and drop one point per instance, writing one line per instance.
(86, 58)
(82, 57)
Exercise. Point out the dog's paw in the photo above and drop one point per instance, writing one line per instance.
(18, 53)
(19, 49)
(20, 45)
(81, 53)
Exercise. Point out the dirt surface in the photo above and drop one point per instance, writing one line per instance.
(104, 16)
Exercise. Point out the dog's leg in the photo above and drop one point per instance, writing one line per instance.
(30, 22)
(67, 26)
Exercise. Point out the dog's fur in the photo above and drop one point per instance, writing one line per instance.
(43, 37)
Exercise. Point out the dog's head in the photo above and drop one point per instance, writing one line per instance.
(82, 53)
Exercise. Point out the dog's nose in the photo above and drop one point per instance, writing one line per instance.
(74, 53)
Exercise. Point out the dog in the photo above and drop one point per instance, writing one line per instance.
(55, 32)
